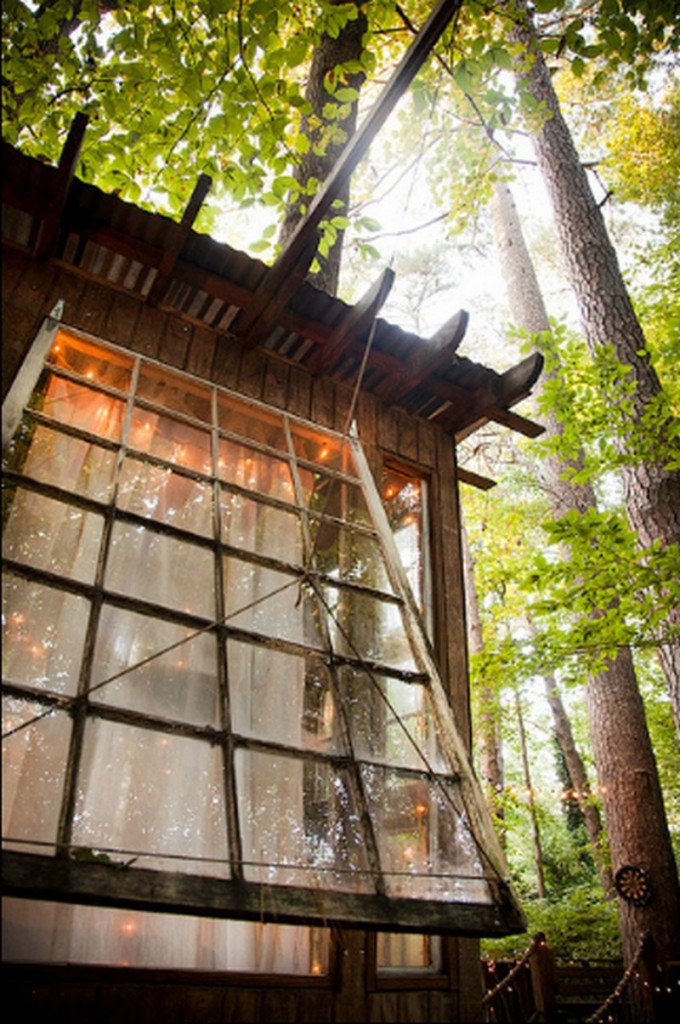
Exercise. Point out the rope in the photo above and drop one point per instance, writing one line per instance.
(522, 962)
(599, 1015)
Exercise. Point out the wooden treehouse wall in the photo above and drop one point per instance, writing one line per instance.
(31, 288)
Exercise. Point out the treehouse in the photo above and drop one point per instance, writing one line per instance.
(236, 729)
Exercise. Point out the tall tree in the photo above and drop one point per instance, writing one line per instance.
(652, 489)
(627, 774)
(335, 78)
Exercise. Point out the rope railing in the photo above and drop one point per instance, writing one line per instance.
(599, 1016)
(523, 962)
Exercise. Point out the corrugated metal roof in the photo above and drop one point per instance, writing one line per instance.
(211, 283)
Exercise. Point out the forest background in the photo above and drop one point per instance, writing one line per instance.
(558, 593)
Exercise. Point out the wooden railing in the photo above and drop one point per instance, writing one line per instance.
(533, 989)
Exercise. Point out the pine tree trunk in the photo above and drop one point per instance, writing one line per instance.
(626, 767)
(487, 729)
(652, 493)
(535, 830)
(320, 158)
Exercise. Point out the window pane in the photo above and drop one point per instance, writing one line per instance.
(64, 461)
(268, 602)
(348, 554)
(52, 535)
(257, 527)
(363, 626)
(401, 951)
(299, 823)
(284, 698)
(79, 406)
(171, 440)
(426, 848)
(180, 684)
(324, 449)
(404, 499)
(43, 635)
(332, 496)
(260, 425)
(93, 361)
(255, 471)
(153, 795)
(34, 766)
(178, 393)
(391, 721)
(43, 932)
(159, 493)
(161, 569)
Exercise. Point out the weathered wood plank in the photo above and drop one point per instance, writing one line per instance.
(121, 319)
(175, 342)
(148, 332)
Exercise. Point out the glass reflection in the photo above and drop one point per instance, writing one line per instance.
(79, 406)
(171, 440)
(325, 449)
(161, 569)
(158, 493)
(174, 391)
(255, 471)
(55, 458)
(154, 795)
(246, 420)
(95, 362)
(363, 626)
(49, 534)
(179, 684)
(255, 526)
(391, 721)
(34, 767)
(348, 554)
(299, 823)
(284, 698)
(426, 847)
(271, 603)
(43, 635)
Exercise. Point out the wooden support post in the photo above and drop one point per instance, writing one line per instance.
(357, 321)
(171, 255)
(66, 170)
(543, 981)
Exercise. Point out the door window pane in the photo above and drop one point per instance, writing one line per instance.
(171, 440)
(175, 392)
(79, 406)
(92, 361)
(271, 603)
(255, 471)
(260, 528)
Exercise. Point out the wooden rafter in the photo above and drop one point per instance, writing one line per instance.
(298, 254)
(183, 229)
(66, 170)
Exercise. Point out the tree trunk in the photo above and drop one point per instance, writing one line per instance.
(535, 830)
(321, 156)
(652, 492)
(626, 768)
(487, 728)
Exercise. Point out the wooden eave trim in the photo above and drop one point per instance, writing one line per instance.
(39, 877)
(435, 355)
(356, 322)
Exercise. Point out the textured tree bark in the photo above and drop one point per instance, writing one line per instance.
(535, 830)
(487, 732)
(329, 54)
(652, 493)
(627, 774)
